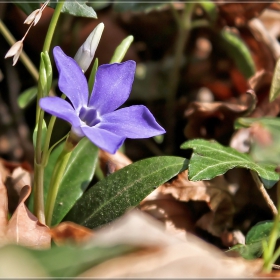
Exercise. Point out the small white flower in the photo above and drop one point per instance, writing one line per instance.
(34, 16)
(86, 52)
(15, 51)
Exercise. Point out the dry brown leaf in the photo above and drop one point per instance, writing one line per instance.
(214, 120)
(110, 163)
(24, 228)
(163, 255)
(239, 13)
(70, 232)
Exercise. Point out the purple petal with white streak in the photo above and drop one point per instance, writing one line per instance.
(103, 139)
(131, 122)
(60, 108)
(112, 86)
(72, 81)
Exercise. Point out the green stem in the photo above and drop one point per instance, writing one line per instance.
(23, 57)
(184, 26)
(57, 176)
(39, 170)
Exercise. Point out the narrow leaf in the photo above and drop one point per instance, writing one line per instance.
(77, 176)
(27, 97)
(254, 240)
(43, 136)
(111, 197)
(122, 49)
(238, 51)
(275, 85)
(210, 159)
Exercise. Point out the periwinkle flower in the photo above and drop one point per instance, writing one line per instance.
(95, 117)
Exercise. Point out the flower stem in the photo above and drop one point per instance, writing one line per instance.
(57, 176)
(184, 26)
(39, 166)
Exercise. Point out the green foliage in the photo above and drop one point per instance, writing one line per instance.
(253, 247)
(122, 49)
(275, 85)
(27, 97)
(111, 197)
(76, 8)
(238, 51)
(64, 261)
(265, 145)
(77, 176)
(210, 159)
(138, 6)
(210, 8)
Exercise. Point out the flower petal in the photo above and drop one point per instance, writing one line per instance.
(72, 81)
(103, 139)
(112, 86)
(61, 109)
(131, 122)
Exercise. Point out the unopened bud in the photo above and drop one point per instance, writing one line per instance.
(15, 51)
(34, 16)
(85, 53)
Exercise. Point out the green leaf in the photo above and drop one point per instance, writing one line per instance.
(111, 197)
(63, 261)
(238, 51)
(122, 49)
(78, 8)
(210, 8)
(77, 176)
(275, 85)
(265, 144)
(254, 239)
(43, 136)
(27, 97)
(210, 159)
(92, 75)
(138, 6)
(28, 8)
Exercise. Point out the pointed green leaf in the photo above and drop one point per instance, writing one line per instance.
(254, 240)
(111, 197)
(275, 85)
(27, 97)
(210, 8)
(122, 49)
(238, 51)
(77, 8)
(78, 174)
(210, 159)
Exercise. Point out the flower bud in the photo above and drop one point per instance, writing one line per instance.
(86, 52)
(35, 15)
(15, 51)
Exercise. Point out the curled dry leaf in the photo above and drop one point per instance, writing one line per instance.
(163, 255)
(110, 163)
(215, 120)
(24, 228)
(70, 232)
(239, 13)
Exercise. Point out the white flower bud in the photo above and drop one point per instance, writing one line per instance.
(35, 15)
(86, 52)
(15, 51)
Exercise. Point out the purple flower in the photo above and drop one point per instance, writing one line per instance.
(95, 117)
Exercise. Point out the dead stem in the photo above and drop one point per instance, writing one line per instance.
(264, 193)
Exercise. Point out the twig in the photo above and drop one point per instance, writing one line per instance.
(264, 193)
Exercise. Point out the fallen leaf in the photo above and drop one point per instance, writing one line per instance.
(163, 255)
(239, 13)
(215, 120)
(110, 163)
(70, 232)
(24, 228)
